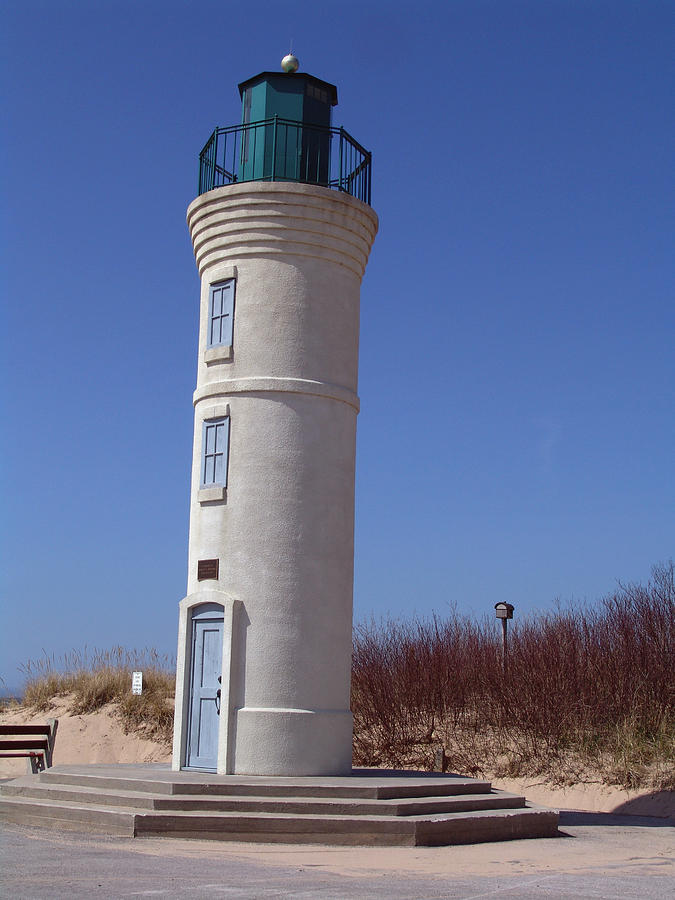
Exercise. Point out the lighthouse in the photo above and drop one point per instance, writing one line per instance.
(281, 229)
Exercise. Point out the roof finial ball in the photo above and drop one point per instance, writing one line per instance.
(290, 63)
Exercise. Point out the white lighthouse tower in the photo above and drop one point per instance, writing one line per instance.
(281, 231)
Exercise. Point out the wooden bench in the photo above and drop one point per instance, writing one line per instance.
(35, 742)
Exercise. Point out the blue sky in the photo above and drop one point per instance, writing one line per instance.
(516, 438)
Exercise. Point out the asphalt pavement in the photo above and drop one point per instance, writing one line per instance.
(597, 856)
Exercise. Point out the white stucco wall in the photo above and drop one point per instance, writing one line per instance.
(283, 529)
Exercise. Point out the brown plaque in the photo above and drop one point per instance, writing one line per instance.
(207, 568)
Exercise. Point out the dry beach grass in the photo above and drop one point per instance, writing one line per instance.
(92, 680)
(588, 693)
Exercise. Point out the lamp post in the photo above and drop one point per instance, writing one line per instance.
(504, 611)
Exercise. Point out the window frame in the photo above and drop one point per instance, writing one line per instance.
(223, 342)
(217, 451)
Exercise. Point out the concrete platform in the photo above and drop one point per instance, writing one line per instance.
(369, 808)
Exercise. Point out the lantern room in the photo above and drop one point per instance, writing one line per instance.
(286, 119)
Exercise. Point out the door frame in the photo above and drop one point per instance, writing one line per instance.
(231, 607)
(206, 614)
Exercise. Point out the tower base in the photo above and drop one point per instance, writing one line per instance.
(369, 808)
(307, 741)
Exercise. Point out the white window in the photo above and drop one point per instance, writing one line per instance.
(221, 314)
(215, 448)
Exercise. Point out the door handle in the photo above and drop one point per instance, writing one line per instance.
(217, 698)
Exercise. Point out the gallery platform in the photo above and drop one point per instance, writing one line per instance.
(372, 807)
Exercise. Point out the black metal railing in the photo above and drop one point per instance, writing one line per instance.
(283, 150)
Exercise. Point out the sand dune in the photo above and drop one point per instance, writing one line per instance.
(96, 737)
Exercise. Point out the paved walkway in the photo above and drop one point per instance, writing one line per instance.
(600, 856)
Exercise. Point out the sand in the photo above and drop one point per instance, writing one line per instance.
(96, 737)
(99, 738)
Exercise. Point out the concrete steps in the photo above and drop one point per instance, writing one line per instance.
(65, 816)
(370, 807)
(250, 803)
(161, 780)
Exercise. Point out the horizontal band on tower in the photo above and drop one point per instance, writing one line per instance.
(261, 243)
(265, 384)
(273, 217)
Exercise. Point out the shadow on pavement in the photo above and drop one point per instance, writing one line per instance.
(573, 817)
